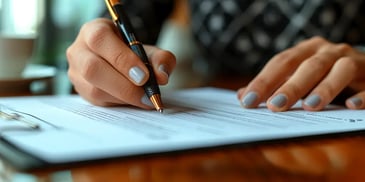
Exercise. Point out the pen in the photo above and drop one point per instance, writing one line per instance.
(124, 26)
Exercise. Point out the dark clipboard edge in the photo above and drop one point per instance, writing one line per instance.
(24, 162)
(16, 158)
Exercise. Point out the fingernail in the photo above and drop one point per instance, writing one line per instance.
(146, 101)
(137, 74)
(279, 100)
(162, 69)
(357, 102)
(249, 99)
(312, 101)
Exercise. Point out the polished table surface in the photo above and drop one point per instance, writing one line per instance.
(327, 158)
(339, 158)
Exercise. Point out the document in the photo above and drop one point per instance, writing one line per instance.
(73, 130)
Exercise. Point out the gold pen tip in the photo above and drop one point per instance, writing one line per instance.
(156, 101)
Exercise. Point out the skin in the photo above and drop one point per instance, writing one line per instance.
(313, 67)
(99, 64)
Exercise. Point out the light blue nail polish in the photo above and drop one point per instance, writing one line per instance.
(279, 100)
(146, 101)
(249, 99)
(137, 74)
(357, 102)
(312, 101)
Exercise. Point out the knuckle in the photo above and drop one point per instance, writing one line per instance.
(294, 91)
(261, 83)
(121, 59)
(285, 58)
(313, 41)
(95, 35)
(281, 56)
(90, 67)
(343, 48)
(317, 63)
(317, 40)
(330, 90)
(349, 63)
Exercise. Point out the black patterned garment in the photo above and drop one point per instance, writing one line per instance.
(147, 17)
(238, 37)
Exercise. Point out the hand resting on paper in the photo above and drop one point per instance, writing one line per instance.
(316, 70)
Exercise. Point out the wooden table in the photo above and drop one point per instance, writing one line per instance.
(335, 158)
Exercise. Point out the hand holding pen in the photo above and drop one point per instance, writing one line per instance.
(125, 28)
(106, 72)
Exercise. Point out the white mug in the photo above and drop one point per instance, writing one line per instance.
(19, 21)
(15, 53)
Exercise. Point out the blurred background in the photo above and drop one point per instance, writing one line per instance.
(60, 21)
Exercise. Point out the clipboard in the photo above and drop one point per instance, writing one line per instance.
(73, 131)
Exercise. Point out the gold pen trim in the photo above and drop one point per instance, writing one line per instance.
(109, 5)
(134, 43)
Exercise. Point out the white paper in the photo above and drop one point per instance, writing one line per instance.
(73, 130)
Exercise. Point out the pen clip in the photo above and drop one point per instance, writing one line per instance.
(109, 5)
(13, 116)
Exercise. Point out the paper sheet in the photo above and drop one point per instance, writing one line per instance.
(73, 130)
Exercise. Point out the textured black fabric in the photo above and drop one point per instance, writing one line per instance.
(147, 17)
(238, 37)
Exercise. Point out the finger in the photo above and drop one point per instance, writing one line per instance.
(305, 78)
(240, 92)
(341, 74)
(102, 38)
(92, 94)
(98, 73)
(163, 63)
(277, 71)
(357, 101)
